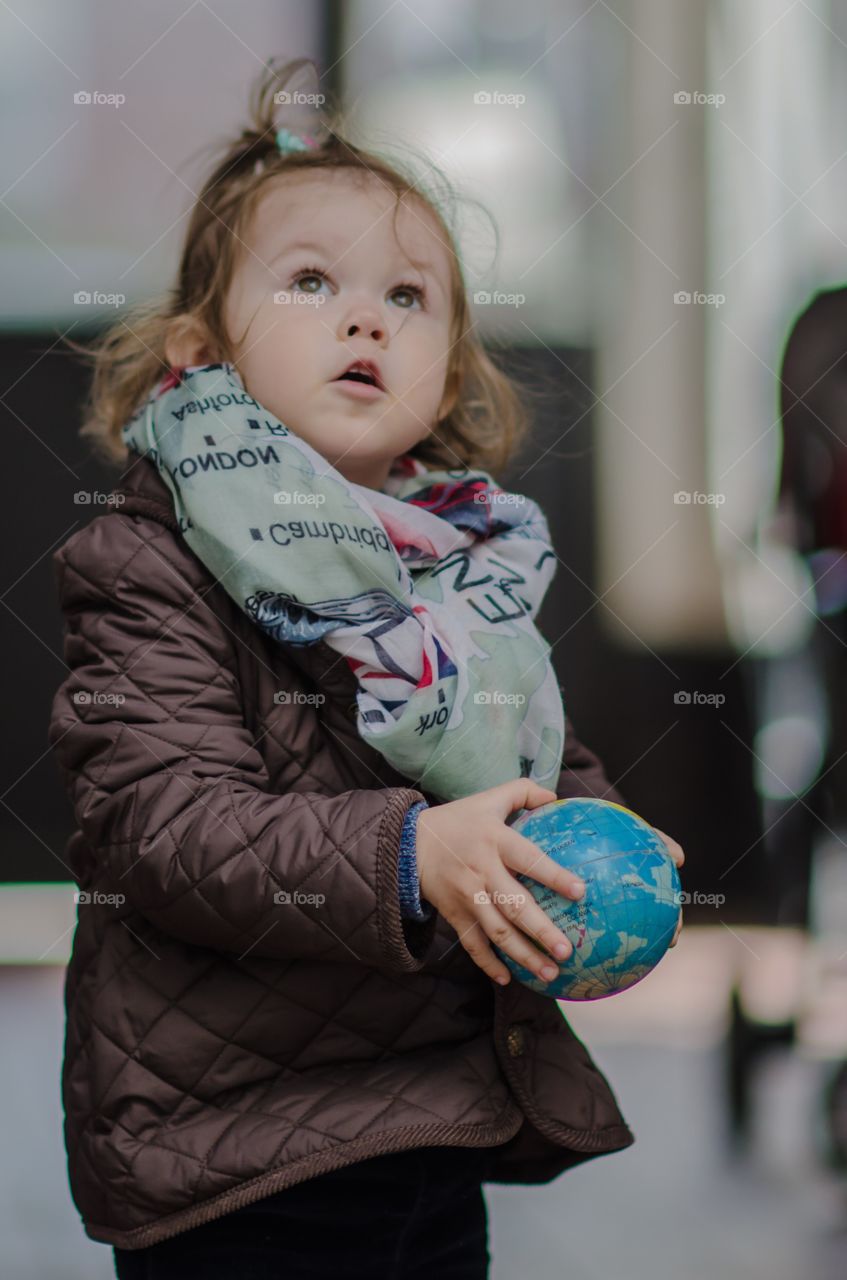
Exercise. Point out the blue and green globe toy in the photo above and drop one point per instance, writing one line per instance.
(625, 921)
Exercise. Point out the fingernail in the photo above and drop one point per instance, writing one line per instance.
(578, 888)
(561, 950)
(549, 973)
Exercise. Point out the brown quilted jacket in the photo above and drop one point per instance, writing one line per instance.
(246, 1008)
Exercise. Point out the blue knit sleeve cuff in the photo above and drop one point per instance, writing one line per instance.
(410, 902)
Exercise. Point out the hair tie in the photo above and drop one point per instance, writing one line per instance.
(288, 141)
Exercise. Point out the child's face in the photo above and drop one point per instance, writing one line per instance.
(295, 332)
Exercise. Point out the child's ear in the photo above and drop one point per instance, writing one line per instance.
(186, 342)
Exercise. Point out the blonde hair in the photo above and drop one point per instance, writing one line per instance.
(487, 420)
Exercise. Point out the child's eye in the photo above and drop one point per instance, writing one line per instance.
(311, 274)
(411, 290)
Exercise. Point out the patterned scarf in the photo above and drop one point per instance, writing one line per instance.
(428, 588)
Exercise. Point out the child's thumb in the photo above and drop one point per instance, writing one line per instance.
(523, 793)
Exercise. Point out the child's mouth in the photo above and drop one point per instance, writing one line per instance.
(358, 388)
(360, 379)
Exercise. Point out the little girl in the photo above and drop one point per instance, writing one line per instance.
(306, 697)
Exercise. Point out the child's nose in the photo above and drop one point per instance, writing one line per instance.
(374, 328)
(366, 319)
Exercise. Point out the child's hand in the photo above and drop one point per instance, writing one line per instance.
(678, 856)
(465, 851)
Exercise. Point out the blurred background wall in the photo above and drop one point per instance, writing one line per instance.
(654, 190)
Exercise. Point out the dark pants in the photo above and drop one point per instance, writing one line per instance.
(405, 1216)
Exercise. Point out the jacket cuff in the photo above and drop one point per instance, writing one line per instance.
(406, 943)
(411, 907)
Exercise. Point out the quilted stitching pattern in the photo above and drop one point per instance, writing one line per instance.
(222, 1043)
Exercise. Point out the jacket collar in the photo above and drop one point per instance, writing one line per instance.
(143, 492)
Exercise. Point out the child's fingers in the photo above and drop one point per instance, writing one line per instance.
(518, 905)
(511, 940)
(475, 941)
(521, 793)
(522, 855)
(674, 849)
